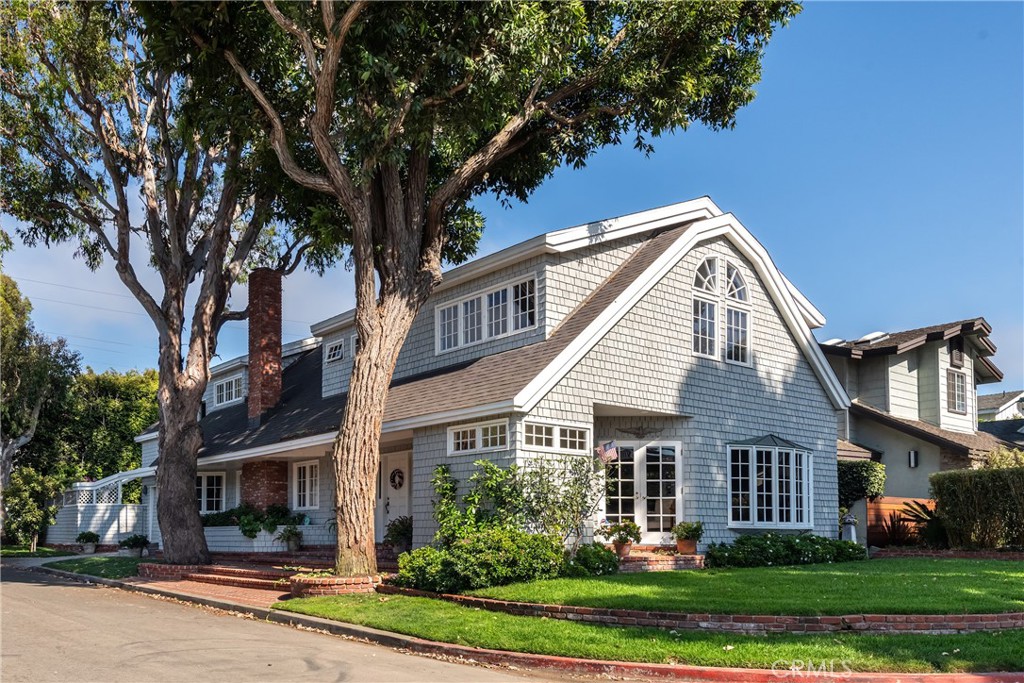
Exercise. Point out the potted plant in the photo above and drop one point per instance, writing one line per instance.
(88, 541)
(687, 535)
(135, 544)
(291, 536)
(399, 534)
(622, 534)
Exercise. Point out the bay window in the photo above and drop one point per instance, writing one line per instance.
(769, 485)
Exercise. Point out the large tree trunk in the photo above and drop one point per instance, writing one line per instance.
(181, 437)
(357, 447)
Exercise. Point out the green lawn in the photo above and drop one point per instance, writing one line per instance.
(905, 586)
(105, 567)
(450, 623)
(23, 551)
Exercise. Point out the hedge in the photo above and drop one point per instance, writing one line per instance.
(981, 508)
(859, 479)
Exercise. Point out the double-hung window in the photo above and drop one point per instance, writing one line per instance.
(769, 487)
(478, 438)
(228, 391)
(737, 317)
(210, 492)
(492, 314)
(956, 391)
(306, 485)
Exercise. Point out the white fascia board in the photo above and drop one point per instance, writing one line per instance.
(812, 316)
(227, 366)
(558, 241)
(488, 410)
(729, 226)
(270, 449)
(142, 438)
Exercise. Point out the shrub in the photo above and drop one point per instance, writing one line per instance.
(688, 531)
(1002, 457)
(859, 479)
(928, 526)
(87, 537)
(489, 557)
(399, 532)
(250, 519)
(135, 541)
(772, 549)
(981, 508)
(897, 529)
(591, 559)
(494, 499)
(561, 493)
(626, 531)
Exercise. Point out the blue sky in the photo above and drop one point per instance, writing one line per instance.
(882, 165)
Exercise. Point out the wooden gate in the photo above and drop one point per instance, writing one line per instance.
(880, 509)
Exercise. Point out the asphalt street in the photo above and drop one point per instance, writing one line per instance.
(58, 630)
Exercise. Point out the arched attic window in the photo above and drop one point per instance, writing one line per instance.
(706, 278)
(736, 286)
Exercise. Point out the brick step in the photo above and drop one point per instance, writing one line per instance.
(238, 581)
(270, 573)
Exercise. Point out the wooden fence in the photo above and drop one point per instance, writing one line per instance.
(880, 509)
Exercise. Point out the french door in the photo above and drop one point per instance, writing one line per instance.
(645, 486)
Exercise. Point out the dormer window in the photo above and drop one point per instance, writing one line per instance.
(228, 391)
(335, 352)
(706, 278)
(489, 315)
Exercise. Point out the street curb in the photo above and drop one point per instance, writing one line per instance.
(677, 672)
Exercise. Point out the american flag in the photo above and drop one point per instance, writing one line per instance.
(607, 452)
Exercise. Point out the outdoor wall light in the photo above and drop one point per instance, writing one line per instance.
(912, 459)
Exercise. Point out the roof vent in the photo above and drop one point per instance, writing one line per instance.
(872, 337)
(832, 342)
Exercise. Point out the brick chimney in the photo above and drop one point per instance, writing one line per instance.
(264, 342)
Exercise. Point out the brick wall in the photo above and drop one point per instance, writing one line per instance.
(264, 341)
(265, 482)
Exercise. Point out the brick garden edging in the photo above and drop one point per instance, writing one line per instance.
(894, 553)
(751, 624)
(167, 571)
(309, 586)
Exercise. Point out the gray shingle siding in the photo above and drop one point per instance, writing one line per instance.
(646, 362)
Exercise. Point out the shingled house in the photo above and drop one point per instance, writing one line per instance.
(670, 332)
(914, 404)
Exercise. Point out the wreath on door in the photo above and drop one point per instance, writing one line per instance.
(397, 478)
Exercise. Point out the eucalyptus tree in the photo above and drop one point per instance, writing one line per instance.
(99, 150)
(401, 113)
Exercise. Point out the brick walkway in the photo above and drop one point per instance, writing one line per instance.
(251, 597)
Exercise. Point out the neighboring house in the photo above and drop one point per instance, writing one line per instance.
(1010, 431)
(1008, 405)
(670, 332)
(914, 399)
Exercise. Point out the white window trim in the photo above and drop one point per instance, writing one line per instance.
(718, 323)
(482, 295)
(295, 485)
(725, 286)
(354, 341)
(203, 510)
(340, 344)
(556, 434)
(478, 428)
(226, 380)
(719, 277)
(745, 308)
(808, 486)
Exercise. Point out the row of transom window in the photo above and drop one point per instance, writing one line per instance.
(493, 436)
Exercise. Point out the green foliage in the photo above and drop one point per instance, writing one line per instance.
(289, 533)
(897, 529)
(591, 559)
(250, 520)
(28, 504)
(688, 531)
(859, 479)
(560, 494)
(1002, 457)
(492, 556)
(626, 531)
(399, 532)
(135, 541)
(928, 526)
(87, 537)
(981, 508)
(771, 549)
(494, 499)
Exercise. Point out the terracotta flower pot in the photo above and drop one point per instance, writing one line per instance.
(622, 549)
(686, 546)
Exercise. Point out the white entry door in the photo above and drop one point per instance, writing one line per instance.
(393, 486)
(645, 486)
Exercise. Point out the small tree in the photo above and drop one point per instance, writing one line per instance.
(562, 494)
(859, 479)
(1003, 457)
(30, 507)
